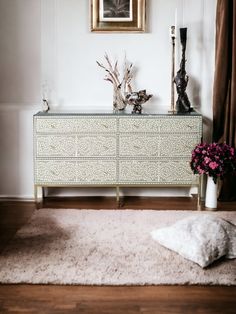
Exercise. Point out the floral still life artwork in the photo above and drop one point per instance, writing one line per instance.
(215, 160)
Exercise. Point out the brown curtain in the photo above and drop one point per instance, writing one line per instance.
(224, 93)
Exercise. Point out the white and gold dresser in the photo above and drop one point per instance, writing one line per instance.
(114, 150)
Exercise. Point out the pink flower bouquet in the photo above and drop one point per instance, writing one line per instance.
(214, 159)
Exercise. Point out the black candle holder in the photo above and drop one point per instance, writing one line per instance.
(181, 79)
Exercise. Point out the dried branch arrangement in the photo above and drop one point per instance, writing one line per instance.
(121, 87)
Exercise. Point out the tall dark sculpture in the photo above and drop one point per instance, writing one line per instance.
(181, 78)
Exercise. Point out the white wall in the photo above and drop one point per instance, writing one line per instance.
(49, 41)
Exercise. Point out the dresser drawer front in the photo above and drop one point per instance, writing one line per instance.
(158, 145)
(75, 146)
(96, 172)
(73, 125)
(96, 146)
(55, 146)
(139, 125)
(139, 145)
(138, 171)
(176, 172)
(56, 125)
(177, 145)
(55, 171)
(93, 125)
(181, 125)
(80, 172)
(162, 124)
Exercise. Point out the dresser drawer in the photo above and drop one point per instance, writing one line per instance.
(96, 172)
(180, 145)
(172, 124)
(81, 172)
(181, 125)
(127, 125)
(93, 125)
(55, 146)
(75, 146)
(138, 145)
(73, 125)
(56, 125)
(155, 172)
(175, 172)
(96, 146)
(159, 145)
(55, 171)
(138, 171)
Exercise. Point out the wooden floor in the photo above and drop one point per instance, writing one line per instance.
(125, 300)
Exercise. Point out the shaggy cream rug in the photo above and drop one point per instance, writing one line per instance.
(104, 247)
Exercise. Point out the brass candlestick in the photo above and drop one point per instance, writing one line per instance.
(172, 34)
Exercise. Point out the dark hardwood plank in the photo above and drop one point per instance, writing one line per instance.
(87, 299)
(93, 299)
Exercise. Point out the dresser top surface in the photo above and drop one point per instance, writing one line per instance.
(111, 114)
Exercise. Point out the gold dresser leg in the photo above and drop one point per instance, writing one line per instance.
(118, 196)
(38, 195)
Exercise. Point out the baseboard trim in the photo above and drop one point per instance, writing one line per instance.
(16, 199)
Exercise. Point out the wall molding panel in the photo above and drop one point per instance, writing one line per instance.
(49, 56)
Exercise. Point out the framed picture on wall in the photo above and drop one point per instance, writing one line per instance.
(118, 15)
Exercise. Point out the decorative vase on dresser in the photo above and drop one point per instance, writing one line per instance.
(86, 150)
(211, 193)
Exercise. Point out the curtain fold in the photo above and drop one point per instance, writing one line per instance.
(224, 92)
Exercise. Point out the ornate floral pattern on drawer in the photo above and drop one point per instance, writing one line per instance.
(138, 171)
(181, 124)
(55, 146)
(175, 172)
(72, 125)
(139, 125)
(55, 171)
(139, 145)
(96, 172)
(96, 145)
(56, 125)
(91, 125)
(177, 145)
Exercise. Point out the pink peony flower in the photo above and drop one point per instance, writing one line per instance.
(200, 171)
(213, 165)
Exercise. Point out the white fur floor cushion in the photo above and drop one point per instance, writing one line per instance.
(201, 238)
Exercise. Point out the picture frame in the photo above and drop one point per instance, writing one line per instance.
(118, 16)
